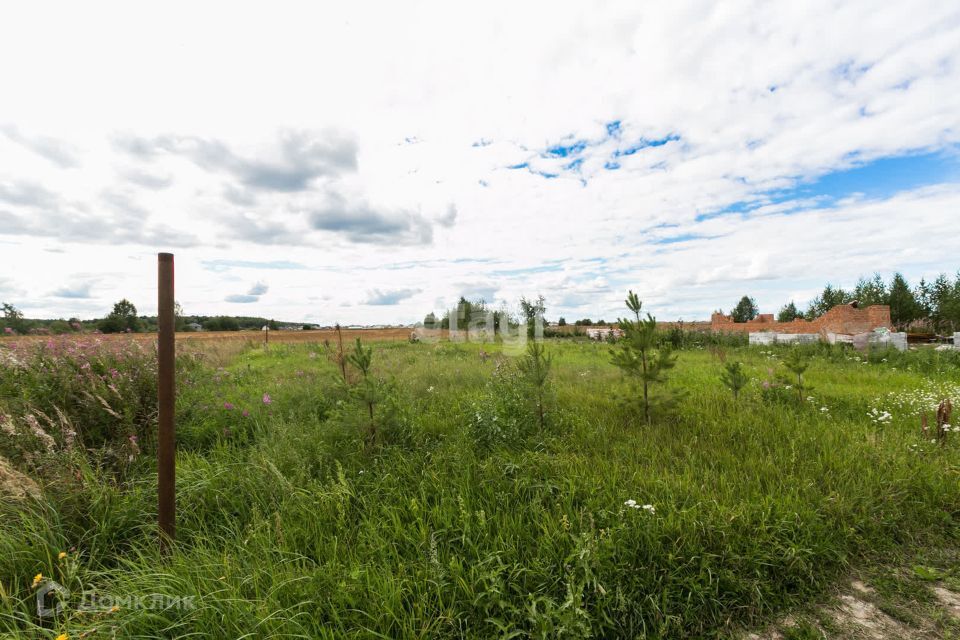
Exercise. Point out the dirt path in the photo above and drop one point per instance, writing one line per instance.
(919, 602)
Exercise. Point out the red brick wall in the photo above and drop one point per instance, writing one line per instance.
(841, 319)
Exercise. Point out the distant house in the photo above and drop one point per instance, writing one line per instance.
(194, 326)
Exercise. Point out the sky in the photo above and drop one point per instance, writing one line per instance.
(368, 162)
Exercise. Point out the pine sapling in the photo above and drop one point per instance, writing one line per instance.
(639, 357)
(361, 358)
(797, 364)
(535, 367)
(734, 378)
(341, 359)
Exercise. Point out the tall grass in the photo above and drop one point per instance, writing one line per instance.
(469, 520)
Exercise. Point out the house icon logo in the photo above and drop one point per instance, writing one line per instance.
(50, 598)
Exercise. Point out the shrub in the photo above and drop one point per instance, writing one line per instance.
(501, 418)
(89, 394)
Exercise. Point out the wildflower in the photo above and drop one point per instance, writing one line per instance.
(37, 579)
(267, 399)
(630, 503)
(63, 636)
(649, 508)
(245, 413)
(114, 609)
(430, 390)
(228, 406)
(61, 555)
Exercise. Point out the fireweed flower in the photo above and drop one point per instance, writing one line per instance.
(228, 406)
(267, 399)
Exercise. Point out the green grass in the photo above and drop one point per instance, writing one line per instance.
(291, 526)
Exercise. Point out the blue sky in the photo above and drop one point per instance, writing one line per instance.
(369, 171)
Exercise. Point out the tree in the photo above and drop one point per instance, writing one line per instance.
(562, 322)
(830, 298)
(788, 313)
(903, 305)
(366, 389)
(943, 301)
(870, 292)
(797, 364)
(638, 356)
(222, 323)
(745, 311)
(122, 318)
(535, 367)
(532, 310)
(924, 297)
(734, 378)
(430, 320)
(13, 318)
(179, 322)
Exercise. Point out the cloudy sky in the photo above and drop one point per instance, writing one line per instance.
(370, 163)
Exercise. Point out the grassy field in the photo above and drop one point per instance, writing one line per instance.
(457, 515)
(243, 337)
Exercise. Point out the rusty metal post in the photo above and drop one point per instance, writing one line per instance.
(166, 395)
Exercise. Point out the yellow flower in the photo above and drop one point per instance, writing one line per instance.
(114, 609)
(37, 579)
(63, 636)
(62, 555)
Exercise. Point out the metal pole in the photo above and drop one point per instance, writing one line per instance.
(166, 394)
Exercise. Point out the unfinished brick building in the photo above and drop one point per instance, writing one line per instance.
(843, 319)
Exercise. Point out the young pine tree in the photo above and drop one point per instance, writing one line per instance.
(366, 388)
(638, 356)
(535, 367)
(797, 364)
(734, 378)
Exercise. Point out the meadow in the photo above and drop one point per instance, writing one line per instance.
(425, 499)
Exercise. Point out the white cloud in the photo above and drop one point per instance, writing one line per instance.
(372, 154)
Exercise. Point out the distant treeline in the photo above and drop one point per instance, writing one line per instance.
(124, 319)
